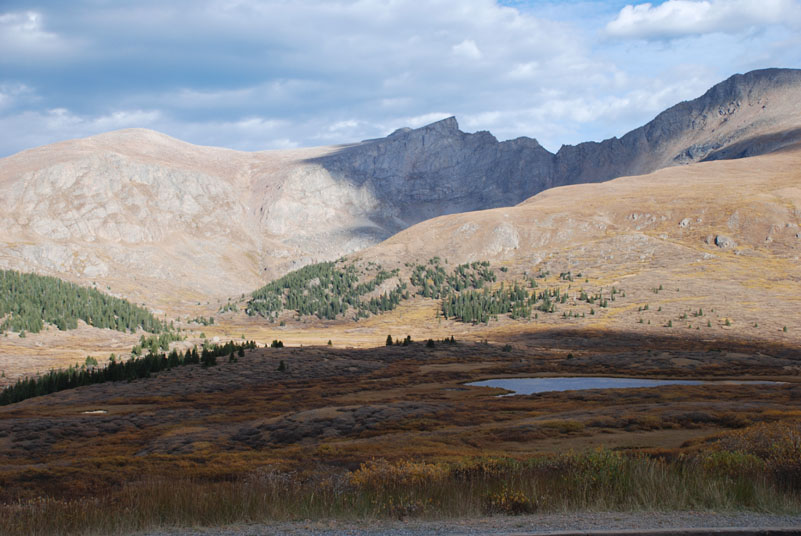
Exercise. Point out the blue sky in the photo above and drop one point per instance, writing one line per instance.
(255, 75)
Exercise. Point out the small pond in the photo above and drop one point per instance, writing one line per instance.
(528, 386)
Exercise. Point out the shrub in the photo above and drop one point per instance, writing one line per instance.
(509, 502)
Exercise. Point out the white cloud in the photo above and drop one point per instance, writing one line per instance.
(467, 49)
(13, 93)
(23, 36)
(523, 71)
(348, 124)
(677, 18)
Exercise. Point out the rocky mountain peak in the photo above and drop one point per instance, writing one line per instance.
(757, 110)
(449, 125)
(444, 127)
(753, 84)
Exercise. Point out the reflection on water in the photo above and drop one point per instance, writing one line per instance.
(528, 386)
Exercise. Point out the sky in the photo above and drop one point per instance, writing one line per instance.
(276, 74)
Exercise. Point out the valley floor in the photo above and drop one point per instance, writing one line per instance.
(394, 432)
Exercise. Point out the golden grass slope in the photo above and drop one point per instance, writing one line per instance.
(722, 236)
(756, 201)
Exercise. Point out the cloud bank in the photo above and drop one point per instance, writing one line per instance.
(679, 18)
(264, 74)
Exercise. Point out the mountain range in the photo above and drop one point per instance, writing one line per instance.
(171, 224)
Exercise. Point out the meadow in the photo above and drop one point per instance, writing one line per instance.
(319, 432)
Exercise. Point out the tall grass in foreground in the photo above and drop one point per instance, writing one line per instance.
(601, 480)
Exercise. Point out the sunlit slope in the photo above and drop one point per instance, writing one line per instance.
(722, 235)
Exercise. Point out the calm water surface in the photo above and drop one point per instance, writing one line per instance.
(528, 386)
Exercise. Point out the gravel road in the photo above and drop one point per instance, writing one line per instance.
(533, 524)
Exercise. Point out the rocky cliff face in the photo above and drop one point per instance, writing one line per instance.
(434, 170)
(149, 215)
(438, 169)
(757, 112)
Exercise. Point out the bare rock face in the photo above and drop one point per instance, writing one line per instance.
(746, 115)
(438, 169)
(149, 215)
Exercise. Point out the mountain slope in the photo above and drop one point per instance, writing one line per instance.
(754, 201)
(170, 224)
(758, 110)
(721, 237)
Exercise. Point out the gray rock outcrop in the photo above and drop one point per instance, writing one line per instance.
(724, 242)
(437, 169)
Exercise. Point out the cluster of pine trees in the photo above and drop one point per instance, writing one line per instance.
(325, 290)
(517, 301)
(154, 343)
(479, 306)
(202, 320)
(548, 299)
(385, 302)
(596, 298)
(138, 367)
(433, 281)
(29, 301)
(329, 289)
